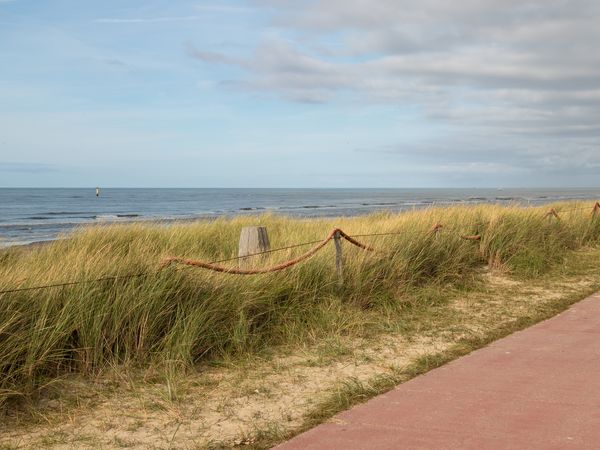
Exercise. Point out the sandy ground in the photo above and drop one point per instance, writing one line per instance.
(235, 404)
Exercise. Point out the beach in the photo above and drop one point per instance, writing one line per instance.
(100, 334)
(33, 215)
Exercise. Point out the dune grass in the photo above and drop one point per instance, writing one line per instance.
(180, 316)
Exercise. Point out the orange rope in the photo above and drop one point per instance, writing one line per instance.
(284, 265)
(438, 227)
(353, 241)
(475, 237)
(552, 212)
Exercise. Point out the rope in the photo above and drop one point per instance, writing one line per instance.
(353, 241)
(438, 227)
(265, 252)
(72, 283)
(237, 271)
(552, 212)
(278, 267)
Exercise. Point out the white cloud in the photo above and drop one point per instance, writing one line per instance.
(522, 79)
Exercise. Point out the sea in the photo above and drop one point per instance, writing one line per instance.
(36, 214)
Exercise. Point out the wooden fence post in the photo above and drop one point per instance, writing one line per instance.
(252, 240)
(337, 239)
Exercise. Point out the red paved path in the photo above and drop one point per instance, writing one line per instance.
(537, 388)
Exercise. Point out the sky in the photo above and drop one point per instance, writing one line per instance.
(299, 93)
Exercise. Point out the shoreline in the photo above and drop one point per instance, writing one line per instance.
(73, 312)
(55, 230)
(67, 228)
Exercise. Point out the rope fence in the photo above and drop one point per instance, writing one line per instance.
(292, 262)
(336, 234)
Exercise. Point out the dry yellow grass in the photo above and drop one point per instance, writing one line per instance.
(259, 399)
(175, 319)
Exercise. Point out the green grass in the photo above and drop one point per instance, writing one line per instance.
(183, 316)
(352, 391)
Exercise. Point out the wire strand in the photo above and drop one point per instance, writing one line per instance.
(142, 274)
(72, 283)
(436, 229)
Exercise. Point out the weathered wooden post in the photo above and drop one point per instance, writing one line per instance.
(252, 240)
(337, 239)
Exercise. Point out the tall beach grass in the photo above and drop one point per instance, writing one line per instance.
(181, 316)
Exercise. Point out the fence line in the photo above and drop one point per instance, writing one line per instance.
(142, 274)
(72, 283)
(214, 265)
(238, 271)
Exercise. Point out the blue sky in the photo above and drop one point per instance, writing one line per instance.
(299, 93)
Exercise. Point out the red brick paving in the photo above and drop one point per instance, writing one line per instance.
(536, 389)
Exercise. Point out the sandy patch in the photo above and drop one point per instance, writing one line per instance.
(232, 405)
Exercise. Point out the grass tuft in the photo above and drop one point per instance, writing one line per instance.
(183, 316)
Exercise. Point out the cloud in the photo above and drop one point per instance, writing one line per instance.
(524, 67)
(210, 57)
(469, 154)
(507, 86)
(114, 62)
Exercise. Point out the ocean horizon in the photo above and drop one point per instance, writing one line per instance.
(40, 214)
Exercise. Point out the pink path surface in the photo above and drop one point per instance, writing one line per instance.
(537, 388)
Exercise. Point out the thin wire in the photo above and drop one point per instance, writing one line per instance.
(72, 283)
(376, 234)
(117, 277)
(266, 251)
(143, 274)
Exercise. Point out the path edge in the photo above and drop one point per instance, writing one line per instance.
(381, 384)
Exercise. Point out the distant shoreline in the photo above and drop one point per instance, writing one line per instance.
(106, 302)
(257, 213)
(35, 215)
